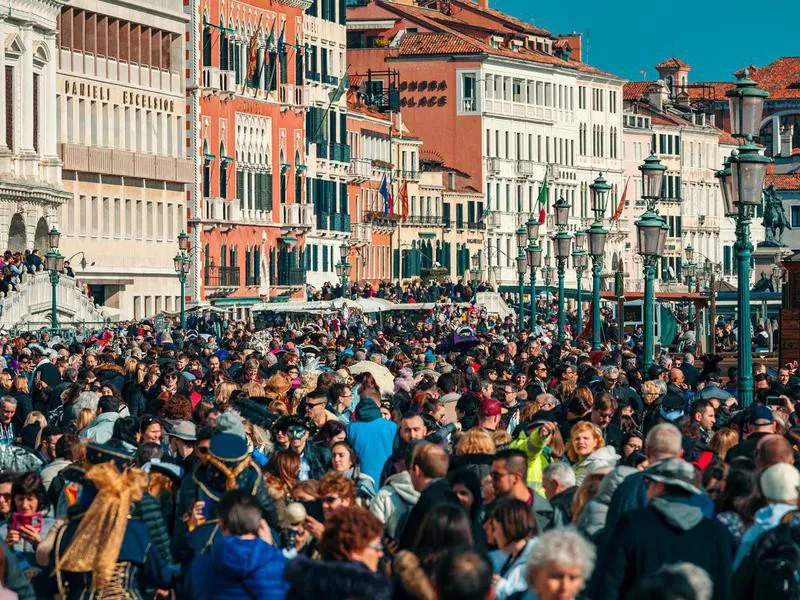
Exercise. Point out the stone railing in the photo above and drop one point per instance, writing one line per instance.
(31, 302)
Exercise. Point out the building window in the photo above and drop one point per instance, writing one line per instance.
(469, 92)
(795, 216)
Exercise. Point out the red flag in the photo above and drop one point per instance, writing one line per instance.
(252, 51)
(404, 200)
(621, 204)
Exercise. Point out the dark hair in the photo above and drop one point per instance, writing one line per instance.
(336, 390)
(29, 483)
(447, 382)
(469, 479)
(445, 526)
(207, 432)
(147, 452)
(108, 404)
(663, 585)
(700, 406)
(328, 431)
(604, 401)
(463, 574)
(65, 446)
(515, 518)
(350, 450)
(239, 513)
(742, 493)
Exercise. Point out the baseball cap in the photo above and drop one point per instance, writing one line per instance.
(760, 415)
(490, 408)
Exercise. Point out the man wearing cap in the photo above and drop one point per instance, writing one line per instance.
(670, 529)
(182, 438)
(760, 423)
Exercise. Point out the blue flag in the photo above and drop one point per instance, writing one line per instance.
(281, 44)
(386, 194)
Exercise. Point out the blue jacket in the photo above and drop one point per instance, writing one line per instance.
(235, 569)
(372, 441)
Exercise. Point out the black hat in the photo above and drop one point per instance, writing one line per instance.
(673, 400)
(113, 451)
(654, 371)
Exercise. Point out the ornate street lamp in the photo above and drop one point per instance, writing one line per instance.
(54, 261)
(534, 253)
(689, 270)
(547, 274)
(597, 245)
(742, 192)
(579, 261)
(182, 264)
(562, 241)
(522, 265)
(475, 272)
(651, 247)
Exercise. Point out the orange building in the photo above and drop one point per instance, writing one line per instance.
(247, 216)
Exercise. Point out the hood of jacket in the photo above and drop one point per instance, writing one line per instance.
(611, 482)
(678, 513)
(605, 457)
(316, 578)
(238, 558)
(367, 411)
(402, 486)
(770, 516)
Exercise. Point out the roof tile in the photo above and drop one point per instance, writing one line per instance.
(784, 181)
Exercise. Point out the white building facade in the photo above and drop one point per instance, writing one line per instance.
(120, 120)
(31, 193)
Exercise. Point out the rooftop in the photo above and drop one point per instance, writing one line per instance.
(786, 181)
(672, 63)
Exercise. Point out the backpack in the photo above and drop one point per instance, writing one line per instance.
(778, 561)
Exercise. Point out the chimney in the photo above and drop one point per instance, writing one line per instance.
(657, 94)
(786, 140)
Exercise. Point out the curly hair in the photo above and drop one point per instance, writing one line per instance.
(349, 528)
(475, 441)
(580, 427)
(177, 407)
(334, 482)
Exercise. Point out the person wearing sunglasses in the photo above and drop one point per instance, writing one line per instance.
(6, 483)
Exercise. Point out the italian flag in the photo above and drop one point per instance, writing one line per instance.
(542, 201)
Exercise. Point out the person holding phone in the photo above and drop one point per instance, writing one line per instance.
(28, 524)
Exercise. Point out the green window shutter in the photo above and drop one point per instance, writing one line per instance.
(267, 191)
(240, 187)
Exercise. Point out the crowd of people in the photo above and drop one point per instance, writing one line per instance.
(409, 459)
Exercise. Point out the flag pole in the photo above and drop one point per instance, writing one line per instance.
(399, 221)
(331, 99)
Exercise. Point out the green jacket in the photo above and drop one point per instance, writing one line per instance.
(538, 454)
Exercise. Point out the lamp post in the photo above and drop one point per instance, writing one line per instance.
(547, 275)
(54, 261)
(689, 271)
(742, 192)
(182, 264)
(562, 242)
(534, 255)
(579, 261)
(597, 244)
(475, 272)
(522, 265)
(651, 231)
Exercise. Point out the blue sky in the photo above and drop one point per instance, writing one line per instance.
(626, 37)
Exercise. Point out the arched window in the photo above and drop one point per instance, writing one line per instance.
(206, 41)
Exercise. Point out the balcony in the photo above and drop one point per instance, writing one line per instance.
(340, 223)
(360, 169)
(361, 234)
(291, 277)
(408, 175)
(697, 222)
(312, 76)
(494, 220)
(476, 226)
(425, 220)
(340, 152)
(211, 80)
(322, 151)
(525, 168)
(330, 79)
(519, 109)
(297, 216)
(221, 277)
(381, 219)
(563, 174)
(299, 95)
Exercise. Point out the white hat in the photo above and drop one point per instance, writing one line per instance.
(780, 483)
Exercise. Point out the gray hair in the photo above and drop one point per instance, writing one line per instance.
(87, 400)
(561, 472)
(663, 441)
(8, 400)
(564, 547)
(697, 578)
(547, 399)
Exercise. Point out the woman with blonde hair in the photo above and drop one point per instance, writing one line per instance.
(223, 393)
(85, 418)
(587, 451)
(475, 441)
(35, 417)
(723, 440)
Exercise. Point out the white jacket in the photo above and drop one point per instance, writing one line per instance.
(394, 502)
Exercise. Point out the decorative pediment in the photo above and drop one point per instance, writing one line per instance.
(14, 43)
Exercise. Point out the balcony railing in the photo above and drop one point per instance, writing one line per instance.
(210, 78)
(432, 220)
(286, 93)
(525, 168)
(221, 276)
(408, 174)
(340, 152)
(297, 215)
(312, 75)
(476, 225)
(291, 276)
(360, 169)
(227, 81)
(361, 233)
(381, 219)
(333, 222)
(330, 79)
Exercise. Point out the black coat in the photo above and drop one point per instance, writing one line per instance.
(746, 448)
(437, 492)
(334, 580)
(646, 540)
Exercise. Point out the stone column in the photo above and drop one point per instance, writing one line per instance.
(776, 135)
